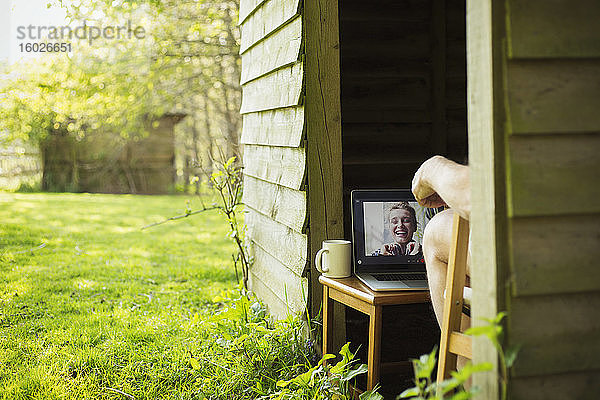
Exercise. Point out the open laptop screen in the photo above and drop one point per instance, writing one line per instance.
(388, 228)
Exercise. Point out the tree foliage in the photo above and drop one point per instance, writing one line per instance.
(187, 62)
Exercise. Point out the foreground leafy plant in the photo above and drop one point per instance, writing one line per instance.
(246, 355)
(453, 388)
(227, 182)
(324, 381)
(494, 332)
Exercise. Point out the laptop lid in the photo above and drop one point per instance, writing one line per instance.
(387, 231)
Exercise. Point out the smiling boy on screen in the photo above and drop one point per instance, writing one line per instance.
(402, 221)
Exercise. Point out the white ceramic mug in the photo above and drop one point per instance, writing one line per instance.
(334, 260)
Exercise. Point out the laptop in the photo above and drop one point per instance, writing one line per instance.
(387, 237)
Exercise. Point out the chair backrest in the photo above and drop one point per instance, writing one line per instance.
(452, 341)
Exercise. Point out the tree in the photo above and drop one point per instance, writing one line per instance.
(198, 42)
(187, 62)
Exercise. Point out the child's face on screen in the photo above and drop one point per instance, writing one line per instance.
(402, 226)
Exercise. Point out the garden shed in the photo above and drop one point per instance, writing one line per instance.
(342, 95)
(104, 162)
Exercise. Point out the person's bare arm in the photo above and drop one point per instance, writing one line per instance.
(440, 181)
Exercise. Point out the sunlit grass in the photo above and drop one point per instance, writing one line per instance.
(90, 304)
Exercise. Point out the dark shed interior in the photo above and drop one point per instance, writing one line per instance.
(403, 99)
(403, 89)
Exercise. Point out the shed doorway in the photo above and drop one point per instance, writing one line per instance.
(403, 99)
(403, 89)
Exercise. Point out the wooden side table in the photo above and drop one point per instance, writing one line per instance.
(353, 293)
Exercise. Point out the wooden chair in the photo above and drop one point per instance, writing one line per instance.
(452, 341)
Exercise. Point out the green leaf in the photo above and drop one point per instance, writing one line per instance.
(446, 385)
(480, 330)
(499, 317)
(194, 363)
(492, 332)
(469, 369)
(412, 392)
(370, 395)
(511, 355)
(339, 367)
(229, 162)
(262, 329)
(346, 353)
(361, 369)
(461, 395)
(304, 379)
(325, 358)
(425, 364)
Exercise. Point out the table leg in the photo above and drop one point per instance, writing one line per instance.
(374, 354)
(327, 322)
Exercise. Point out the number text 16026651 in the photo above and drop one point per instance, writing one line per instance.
(45, 47)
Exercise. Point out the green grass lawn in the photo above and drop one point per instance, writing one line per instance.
(99, 306)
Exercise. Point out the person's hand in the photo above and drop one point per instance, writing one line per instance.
(433, 201)
(422, 189)
(387, 250)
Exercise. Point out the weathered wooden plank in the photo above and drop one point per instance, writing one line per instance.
(386, 10)
(353, 113)
(385, 92)
(279, 89)
(281, 127)
(439, 135)
(278, 50)
(456, 91)
(484, 30)
(275, 305)
(395, 65)
(284, 166)
(247, 7)
(323, 118)
(409, 133)
(370, 154)
(284, 205)
(292, 289)
(266, 19)
(362, 143)
(554, 175)
(558, 333)
(556, 255)
(403, 143)
(457, 132)
(324, 134)
(411, 39)
(283, 243)
(577, 385)
(554, 29)
(374, 176)
(456, 20)
(537, 93)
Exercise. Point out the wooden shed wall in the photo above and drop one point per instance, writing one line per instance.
(552, 134)
(274, 152)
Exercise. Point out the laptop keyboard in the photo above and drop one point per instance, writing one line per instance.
(401, 277)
